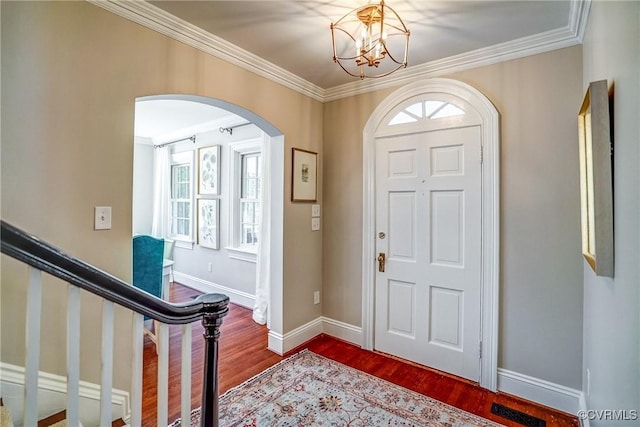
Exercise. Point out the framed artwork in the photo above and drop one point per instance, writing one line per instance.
(209, 170)
(208, 234)
(304, 175)
(596, 185)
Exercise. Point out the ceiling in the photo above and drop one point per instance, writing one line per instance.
(289, 42)
(295, 35)
(161, 120)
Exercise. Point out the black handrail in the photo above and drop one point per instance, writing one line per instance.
(43, 256)
(211, 308)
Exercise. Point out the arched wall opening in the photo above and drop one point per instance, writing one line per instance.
(273, 150)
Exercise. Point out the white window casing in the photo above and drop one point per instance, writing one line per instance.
(244, 206)
(181, 200)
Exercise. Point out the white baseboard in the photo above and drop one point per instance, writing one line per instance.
(275, 342)
(52, 396)
(343, 331)
(546, 393)
(281, 344)
(241, 298)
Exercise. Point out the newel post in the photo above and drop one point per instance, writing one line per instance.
(216, 306)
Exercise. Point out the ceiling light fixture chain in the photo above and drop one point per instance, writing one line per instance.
(366, 41)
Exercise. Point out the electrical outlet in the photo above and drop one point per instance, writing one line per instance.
(315, 211)
(210, 267)
(315, 224)
(316, 297)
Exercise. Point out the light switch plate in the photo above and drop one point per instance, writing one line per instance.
(315, 211)
(102, 218)
(315, 224)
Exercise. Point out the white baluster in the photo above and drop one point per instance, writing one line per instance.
(32, 364)
(136, 383)
(106, 385)
(73, 356)
(186, 375)
(163, 373)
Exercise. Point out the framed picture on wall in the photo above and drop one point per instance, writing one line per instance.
(596, 184)
(208, 235)
(304, 175)
(209, 170)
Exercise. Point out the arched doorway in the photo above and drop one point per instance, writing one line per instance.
(411, 110)
(272, 234)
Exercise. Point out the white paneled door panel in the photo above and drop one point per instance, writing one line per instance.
(402, 225)
(446, 218)
(428, 225)
(401, 318)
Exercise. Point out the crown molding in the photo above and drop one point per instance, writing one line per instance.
(143, 140)
(578, 17)
(158, 20)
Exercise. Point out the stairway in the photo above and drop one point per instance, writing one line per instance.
(56, 420)
(42, 260)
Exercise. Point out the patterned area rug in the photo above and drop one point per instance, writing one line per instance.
(310, 390)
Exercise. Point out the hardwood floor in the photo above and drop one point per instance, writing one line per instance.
(244, 354)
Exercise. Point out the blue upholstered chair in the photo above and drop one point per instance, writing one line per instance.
(148, 256)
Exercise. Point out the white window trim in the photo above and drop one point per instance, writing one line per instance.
(177, 158)
(183, 243)
(235, 152)
(242, 254)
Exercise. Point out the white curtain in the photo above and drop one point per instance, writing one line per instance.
(263, 266)
(161, 192)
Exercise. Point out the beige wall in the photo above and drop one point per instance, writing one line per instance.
(344, 121)
(541, 269)
(612, 305)
(70, 74)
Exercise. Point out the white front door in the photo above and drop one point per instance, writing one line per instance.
(428, 228)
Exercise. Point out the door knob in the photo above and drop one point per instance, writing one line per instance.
(381, 259)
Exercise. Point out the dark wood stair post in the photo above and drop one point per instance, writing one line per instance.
(216, 306)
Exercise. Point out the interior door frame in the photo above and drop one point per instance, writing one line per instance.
(490, 199)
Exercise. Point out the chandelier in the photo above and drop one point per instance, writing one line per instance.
(370, 41)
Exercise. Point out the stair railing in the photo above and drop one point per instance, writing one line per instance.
(209, 308)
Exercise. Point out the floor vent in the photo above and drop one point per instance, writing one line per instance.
(517, 416)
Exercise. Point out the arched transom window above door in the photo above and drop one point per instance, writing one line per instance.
(426, 110)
